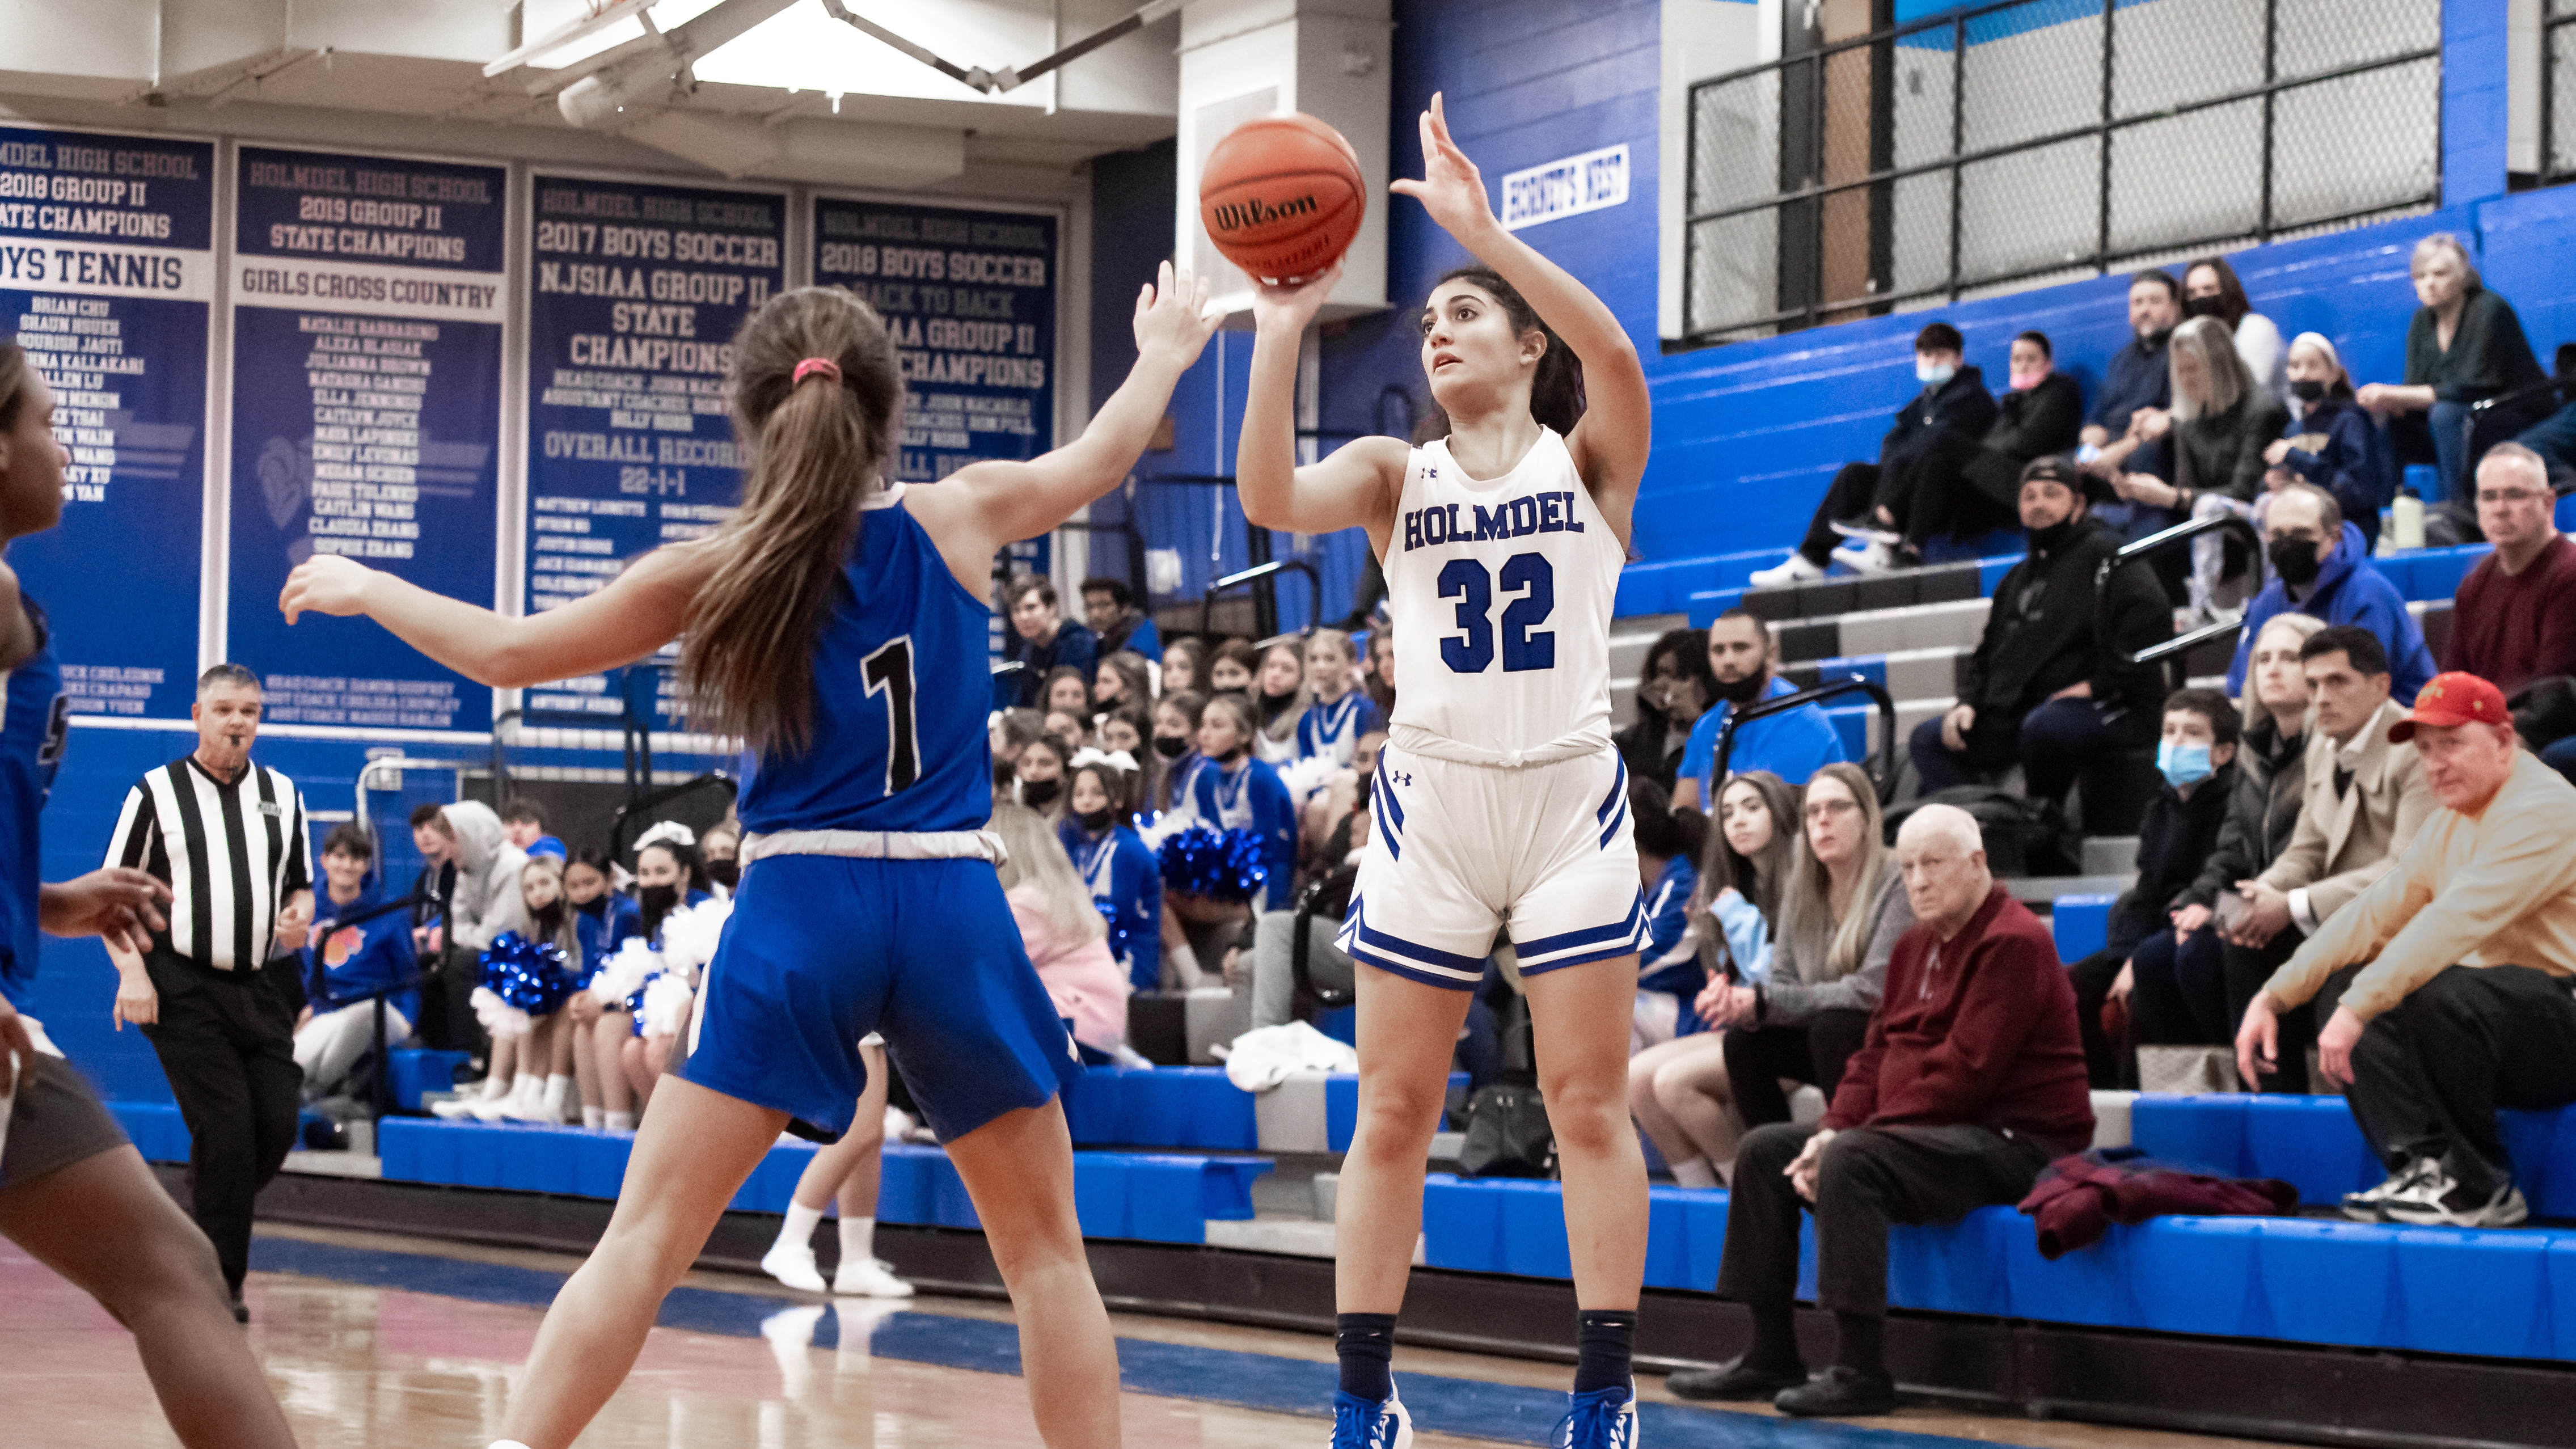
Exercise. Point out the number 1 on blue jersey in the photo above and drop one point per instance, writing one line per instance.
(888, 671)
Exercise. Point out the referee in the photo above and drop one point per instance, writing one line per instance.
(227, 837)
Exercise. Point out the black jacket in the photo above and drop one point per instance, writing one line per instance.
(2175, 840)
(1958, 412)
(2029, 423)
(2223, 452)
(2262, 811)
(2037, 643)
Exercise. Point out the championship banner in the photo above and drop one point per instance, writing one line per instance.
(107, 279)
(367, 308)
(970, 299)
(634, 299)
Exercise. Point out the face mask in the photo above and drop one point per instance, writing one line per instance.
(726, 873)
(658, 900)
(1933, 374)
(1171, 747)
(1094, 820)
(2204, 307)
(2183, 764)
(1742, 691)
(2025, 381)
(596, 907)
(2051, 538)
(2295, 560)
(1039, 794)
(2307, 389)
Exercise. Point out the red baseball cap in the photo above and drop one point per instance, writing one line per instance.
(2453, 699)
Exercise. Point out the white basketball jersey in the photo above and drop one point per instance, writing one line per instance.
(1501, 592)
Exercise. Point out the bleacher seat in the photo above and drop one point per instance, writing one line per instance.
(417, 1070)
(2497, 1294)
(2081, 924)
(2313, 1144)
(158, 1132)
(1160, 1197)
(1161, 1107)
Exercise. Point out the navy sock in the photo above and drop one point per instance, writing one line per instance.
(1366, 1343)
(1603, 1342)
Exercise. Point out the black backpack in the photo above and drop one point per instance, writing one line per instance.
(2023, 837)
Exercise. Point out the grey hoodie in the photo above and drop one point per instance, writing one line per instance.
(487, 900)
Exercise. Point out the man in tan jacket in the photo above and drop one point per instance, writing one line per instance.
(2364, 799)
(2466, 1002)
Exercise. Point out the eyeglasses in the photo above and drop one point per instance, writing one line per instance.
(1828, 809)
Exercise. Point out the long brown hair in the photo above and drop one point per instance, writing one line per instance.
(1761, 878)
(1556, 389)
(1831, 946)
(814, 451)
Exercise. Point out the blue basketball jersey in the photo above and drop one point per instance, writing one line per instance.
(901, 687)
(32, 729)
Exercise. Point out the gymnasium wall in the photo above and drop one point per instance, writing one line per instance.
(1748, 435)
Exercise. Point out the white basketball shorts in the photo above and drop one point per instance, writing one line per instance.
(1458, 851)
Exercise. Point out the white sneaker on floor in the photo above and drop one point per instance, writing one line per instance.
(793, 1266)
(867, 1279)
(1795, 571)
(1867, 556)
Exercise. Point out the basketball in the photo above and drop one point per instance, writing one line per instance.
(1282, 196)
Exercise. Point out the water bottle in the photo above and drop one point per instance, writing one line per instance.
(2406, 519)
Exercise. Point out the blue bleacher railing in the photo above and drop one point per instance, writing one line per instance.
(1882, 773)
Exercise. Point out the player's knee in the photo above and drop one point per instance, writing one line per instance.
(172, 1265)
(1392, 1115)
(1587, 1109)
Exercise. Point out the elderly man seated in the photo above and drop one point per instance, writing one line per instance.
(1970, 1081)
(2464, 1006)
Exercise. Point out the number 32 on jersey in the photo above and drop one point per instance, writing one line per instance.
(1527, 575)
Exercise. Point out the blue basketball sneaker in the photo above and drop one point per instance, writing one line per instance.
(1601, 1419)
(1360, 1424)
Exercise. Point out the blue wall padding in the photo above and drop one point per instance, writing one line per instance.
(2082, 925)
(1160, 1107)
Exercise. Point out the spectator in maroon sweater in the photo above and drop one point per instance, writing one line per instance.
(2515, 617)
(1971, 1080)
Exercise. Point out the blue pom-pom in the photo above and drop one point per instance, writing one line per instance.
(1220, 865)
(527, 974)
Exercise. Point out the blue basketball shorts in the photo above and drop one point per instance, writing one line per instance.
(822, 950)
(1457, 852)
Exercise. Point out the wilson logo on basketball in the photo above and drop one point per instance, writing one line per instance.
(1256, 212)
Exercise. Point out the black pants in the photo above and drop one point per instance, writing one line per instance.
(227, 1043)
(2429, 1074)
(1813, 1051)
(1870, 1177)
(2106, 1066)
(2181, 996)
(2247, 970)
(1849, 498)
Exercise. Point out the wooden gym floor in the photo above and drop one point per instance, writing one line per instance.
(389, 1342)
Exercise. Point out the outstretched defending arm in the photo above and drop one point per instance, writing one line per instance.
(1609, 445)
(983, 506)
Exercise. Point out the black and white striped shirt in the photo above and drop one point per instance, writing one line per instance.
(230, 853)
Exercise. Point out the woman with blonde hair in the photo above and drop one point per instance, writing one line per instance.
(1062, 928)
(1677, 1089)
(1839, 919)
(2223, 421)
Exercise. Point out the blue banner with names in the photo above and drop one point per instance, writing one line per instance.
(107, 278)
(367, 308)
(636, 293)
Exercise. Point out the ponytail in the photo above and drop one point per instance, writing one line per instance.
(1556, 393)
(816, 445)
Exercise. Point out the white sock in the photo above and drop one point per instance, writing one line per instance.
(619, 1121)
(1694, 1173)
(858, 1241)
(593, 1117)
(560, 1093)
(798, 1231)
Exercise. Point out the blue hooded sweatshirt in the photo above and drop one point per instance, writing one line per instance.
(356, 959)
(2347, 591)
